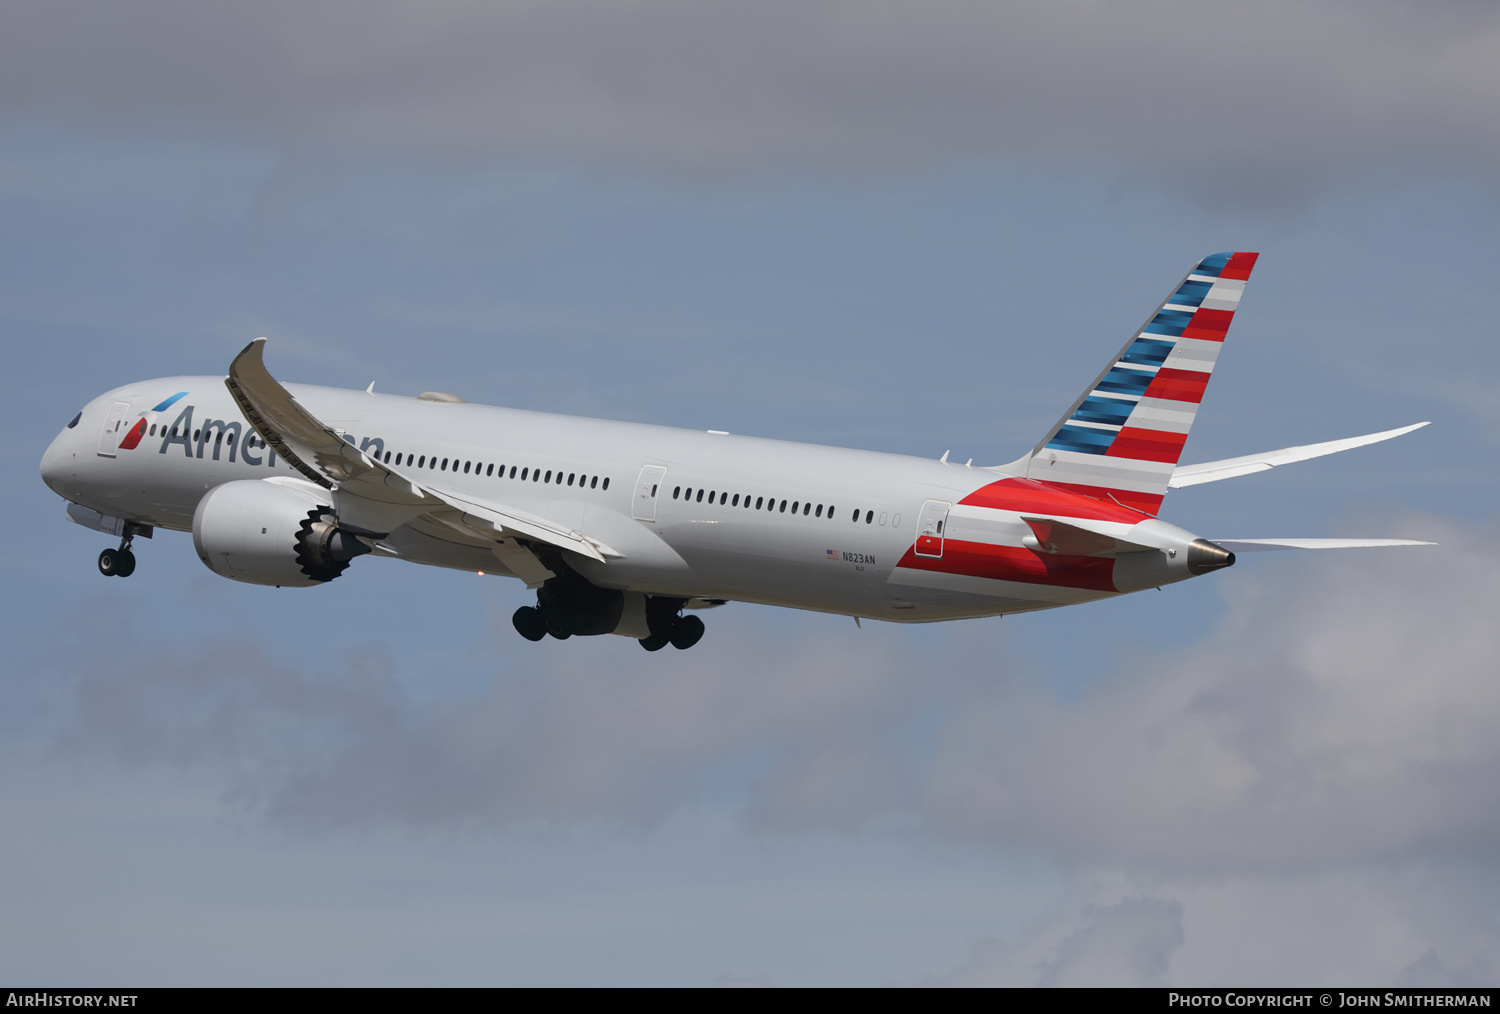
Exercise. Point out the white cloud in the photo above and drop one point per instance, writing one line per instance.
(1252, 102)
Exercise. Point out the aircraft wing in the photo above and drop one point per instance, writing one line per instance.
(1266, 545)
(371, 496)
(1228, 468)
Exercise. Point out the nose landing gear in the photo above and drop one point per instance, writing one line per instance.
(118, 562)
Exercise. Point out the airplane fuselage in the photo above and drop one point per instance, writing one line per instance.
(699, 516)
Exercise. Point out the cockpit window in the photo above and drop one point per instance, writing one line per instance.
(75, 420)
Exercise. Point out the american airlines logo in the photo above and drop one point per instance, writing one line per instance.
(228, 438)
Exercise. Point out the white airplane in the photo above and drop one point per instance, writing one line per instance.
(620, 527)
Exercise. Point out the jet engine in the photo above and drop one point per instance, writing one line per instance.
(264, 532)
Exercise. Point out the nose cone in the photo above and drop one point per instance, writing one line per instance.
(58, 463)
(1203, 556)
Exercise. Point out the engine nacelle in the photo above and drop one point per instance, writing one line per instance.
(263, 532)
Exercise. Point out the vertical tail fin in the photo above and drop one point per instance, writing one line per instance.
(1121, 439)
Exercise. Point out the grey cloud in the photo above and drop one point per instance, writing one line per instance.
(604, 732)
(1345, 716)
(1253, 102)
(1376, 924)
(1128, 943)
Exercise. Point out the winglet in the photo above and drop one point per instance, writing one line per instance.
(260, 397)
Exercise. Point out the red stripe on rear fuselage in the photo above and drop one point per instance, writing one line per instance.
(1051, 499)
(1014, 563)
(1146, 503)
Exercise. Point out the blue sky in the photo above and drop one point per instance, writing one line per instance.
(857, 226)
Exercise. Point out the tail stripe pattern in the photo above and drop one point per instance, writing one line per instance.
(1124, 437)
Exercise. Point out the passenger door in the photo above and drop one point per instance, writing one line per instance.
(930, 524)
(643, 504)
(109, 437)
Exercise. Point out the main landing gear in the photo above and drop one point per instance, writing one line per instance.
(118, 562)
(562, 618)
(568, 604)
(682, 633)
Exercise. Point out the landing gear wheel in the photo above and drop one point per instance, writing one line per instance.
(529, 623)
(687, 632)
(126, 562)
(109, 562)
(656, 642)
(557, 630)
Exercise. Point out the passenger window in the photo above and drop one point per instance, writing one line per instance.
(570, 478)
(806, 509)
(387, 457)
(513, 472)
(723, 499)
(422, 461)
(795, 505)
(559, 478)
(758, 501)
(594, 482)
(153, 429)
(196, 434)
(830, 512)
(820, 511)
(549, 475)
(677, 493)
(783, 506)
(711, 495)
(856, 515)
(606, 482)
(490, 470)
(466, 467)
(445, 465)
(736, 501)
(525, 472)
(869, 517)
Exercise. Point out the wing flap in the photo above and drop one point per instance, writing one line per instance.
(1229, 468)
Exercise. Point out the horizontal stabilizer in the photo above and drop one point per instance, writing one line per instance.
(1070, 538)
(1266, 545)
(1228, 468)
